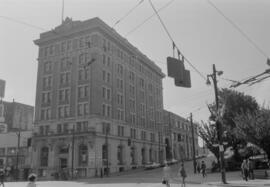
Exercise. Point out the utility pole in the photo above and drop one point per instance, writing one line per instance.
(218, 124)
(193, 143)
(17, 155)
(72, 154)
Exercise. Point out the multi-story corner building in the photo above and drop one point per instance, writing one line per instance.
(99, 102)
(178, 137)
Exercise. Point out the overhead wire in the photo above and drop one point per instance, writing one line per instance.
(238, 28)
(128, 13)
(169, 35)
(23, 23)
(147, 19)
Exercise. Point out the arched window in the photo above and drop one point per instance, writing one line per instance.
(44, 156)
(83, 154)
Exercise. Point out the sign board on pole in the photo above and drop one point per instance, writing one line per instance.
(221, 148)
(2, 88)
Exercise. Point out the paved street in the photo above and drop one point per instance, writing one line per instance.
(151, 178)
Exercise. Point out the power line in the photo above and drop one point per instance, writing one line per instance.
(147, 19)
(127, 14)
(22, 22)
(238, 28)
(168, 33)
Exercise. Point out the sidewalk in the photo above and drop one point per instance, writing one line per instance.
(254, 183)
(242, 183)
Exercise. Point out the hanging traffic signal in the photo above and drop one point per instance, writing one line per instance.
(176, 70)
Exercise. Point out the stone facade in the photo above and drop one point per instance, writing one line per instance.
(99, 103)
(178, 137)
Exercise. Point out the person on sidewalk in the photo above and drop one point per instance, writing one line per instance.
(2, 177)
(183, 175)
(32, 180)
(251, 169)
(244, 167)
(203, 169)
(166, 175)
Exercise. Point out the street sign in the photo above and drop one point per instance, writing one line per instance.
(221, 148)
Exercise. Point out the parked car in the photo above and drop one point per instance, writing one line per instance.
(170, 162)
(152, 165)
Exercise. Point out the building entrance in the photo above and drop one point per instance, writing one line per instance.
(63, 163)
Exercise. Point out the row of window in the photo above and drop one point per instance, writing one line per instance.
(65, 78)
(12, 151)
(64, 95)
(83, 109)
(64, 111)
(87, 41)
(132, 60)
(81, 126)
(106, 129)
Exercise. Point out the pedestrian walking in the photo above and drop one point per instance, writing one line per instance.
(183, 175)
(203, 169)
(198, 167)
(250, 169)
(166, 175)
(32, 180)
(2, 177)
(244, 167)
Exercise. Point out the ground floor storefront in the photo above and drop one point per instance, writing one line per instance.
(91, 153)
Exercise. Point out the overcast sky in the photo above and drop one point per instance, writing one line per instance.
(202, 35)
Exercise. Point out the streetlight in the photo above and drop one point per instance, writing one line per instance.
(213, 76)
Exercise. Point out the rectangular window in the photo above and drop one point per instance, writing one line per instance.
(104, 59)
(108, 77)
(48, 67)
(132, 90)
(120, 69)
(108, 93)
(104, 92)
(79, 126)
(104, 75)
(59, 128)
(131, 76)
(120, 131)
(63, 46)
(80, 110)
(86, 108)
(106, 128)
(142, 83)
(65, 127)
(47, 82)
(104, 109)
(67, 111)
(2, 151)
(108, 110)
(83, 74)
